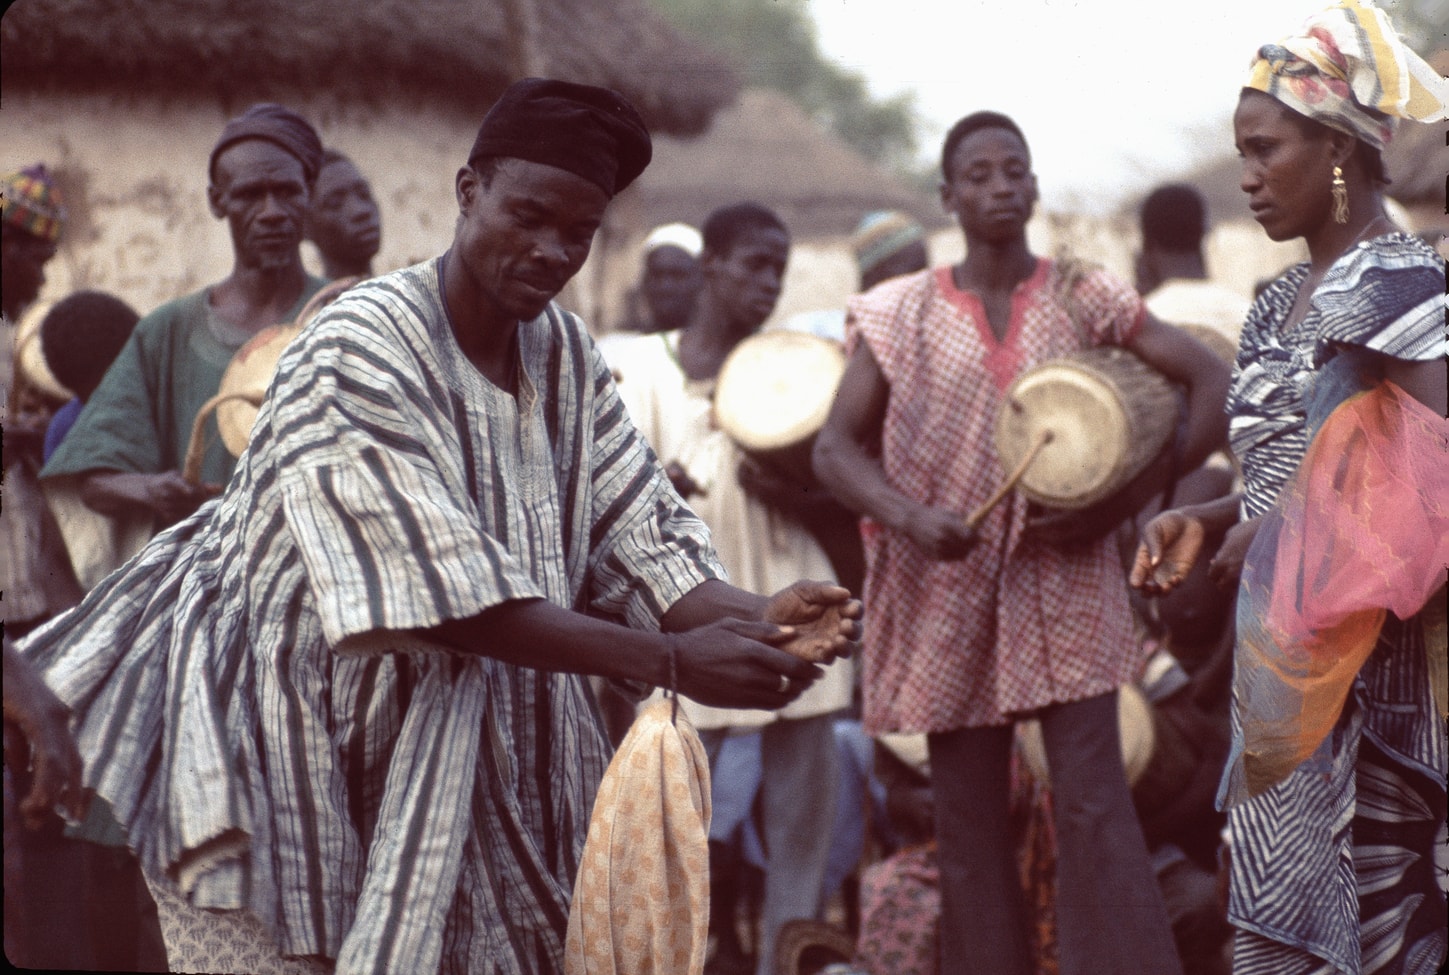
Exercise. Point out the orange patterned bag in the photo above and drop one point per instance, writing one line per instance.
(641, 901)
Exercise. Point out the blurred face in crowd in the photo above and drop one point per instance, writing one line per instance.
(260, 190)
(746, 280)
(989, 186)
(23, 257)
(524, 231)
(343, 220)
(907, 260)
(670, 285)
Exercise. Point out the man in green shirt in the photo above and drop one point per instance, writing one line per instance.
(124, 454)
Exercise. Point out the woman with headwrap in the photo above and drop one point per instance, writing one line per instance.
(1336, 785)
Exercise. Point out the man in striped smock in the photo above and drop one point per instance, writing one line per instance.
(343, 706)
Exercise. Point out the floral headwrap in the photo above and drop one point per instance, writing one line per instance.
(32, 203)
(1349, 69)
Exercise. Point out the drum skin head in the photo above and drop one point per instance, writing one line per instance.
(1134, 719)
(1089, 432)
(249, 373)
(776, 388)
(247, 377)
(1108, 414)
(30, 357)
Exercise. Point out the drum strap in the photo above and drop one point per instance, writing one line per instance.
(1069, 272)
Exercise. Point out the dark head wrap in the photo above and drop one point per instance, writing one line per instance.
(279, 125)
(591, 132)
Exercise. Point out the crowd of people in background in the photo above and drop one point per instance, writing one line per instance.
(342, 702)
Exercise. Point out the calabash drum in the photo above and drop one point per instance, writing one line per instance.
(1105, 415)
(773, 394)
(1176, 761)
(244, 384)
(32, 370)
(1135, 724)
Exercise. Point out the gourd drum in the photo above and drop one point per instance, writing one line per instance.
(32, 372)
(1137, 728)
(1108, 415)
(244, 384)
(773, 394)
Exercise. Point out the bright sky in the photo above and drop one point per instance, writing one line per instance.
(1113, 95)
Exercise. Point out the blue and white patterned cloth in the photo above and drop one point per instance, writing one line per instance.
(1334, 869)
(1385, 295)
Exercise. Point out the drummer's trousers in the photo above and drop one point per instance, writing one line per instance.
(1110, 915)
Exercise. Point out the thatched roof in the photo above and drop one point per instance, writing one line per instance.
(1418, 159)
(767, 149)
(453, 55)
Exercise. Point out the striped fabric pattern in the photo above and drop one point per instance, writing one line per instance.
(251, 703)
(1333, 869)
(1386, 295)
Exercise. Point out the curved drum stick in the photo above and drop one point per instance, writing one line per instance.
(196, 448)
(979, 515)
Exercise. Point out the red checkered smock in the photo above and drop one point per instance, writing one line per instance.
(1017, 624)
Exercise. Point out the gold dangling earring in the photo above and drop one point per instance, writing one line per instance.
(1340, 197)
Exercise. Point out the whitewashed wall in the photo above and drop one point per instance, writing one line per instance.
(140, 226)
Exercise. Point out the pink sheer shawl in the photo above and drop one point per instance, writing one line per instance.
(1361, 530)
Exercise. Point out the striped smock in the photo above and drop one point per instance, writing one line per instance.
(249, 700)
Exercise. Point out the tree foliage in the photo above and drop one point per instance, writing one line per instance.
(774, 45)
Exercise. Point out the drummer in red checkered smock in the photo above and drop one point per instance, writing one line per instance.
(970, 630)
